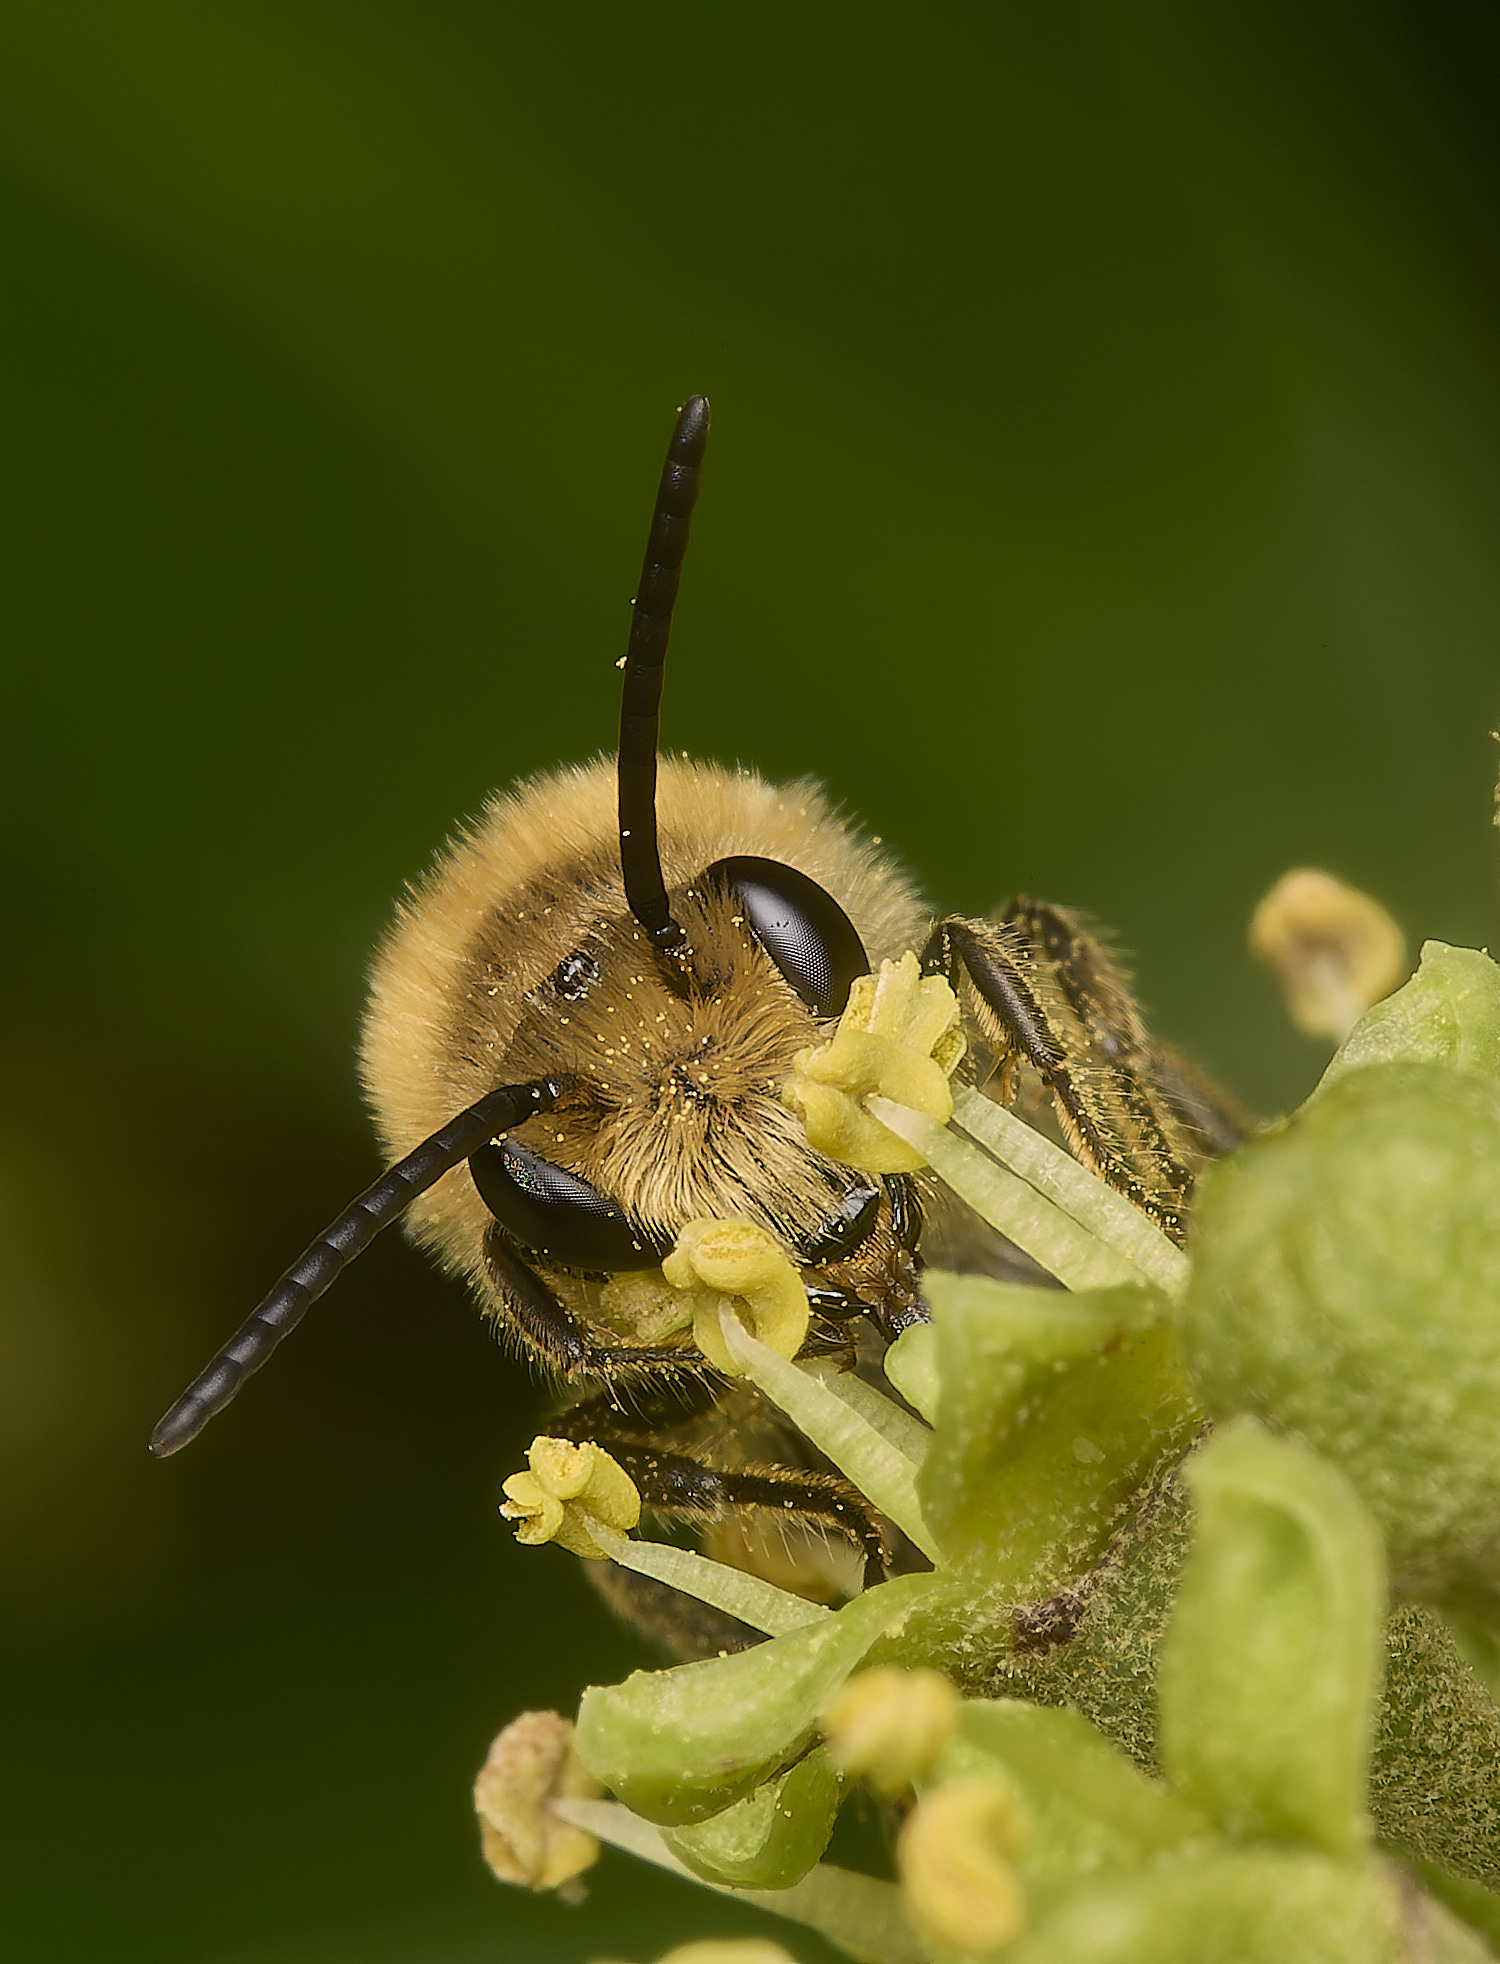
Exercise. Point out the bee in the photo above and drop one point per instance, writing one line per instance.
(578, 1030)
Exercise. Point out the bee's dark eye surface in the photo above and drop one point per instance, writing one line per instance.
(803, 929)
(848, 1224)
(554, 1213)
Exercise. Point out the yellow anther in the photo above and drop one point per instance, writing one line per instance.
(530, 1765)
(889, 1726)
(1334, 950)
(954, 1857)
(899, 1038)
(738, 1263)
(570, 1489)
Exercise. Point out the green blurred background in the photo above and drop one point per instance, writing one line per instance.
(1103, 500)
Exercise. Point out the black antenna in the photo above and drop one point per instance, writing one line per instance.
(645, 655)
(338, 1244)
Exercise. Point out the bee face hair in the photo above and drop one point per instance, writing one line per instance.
(520, 946)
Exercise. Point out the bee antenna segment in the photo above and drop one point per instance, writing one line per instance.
(645, 657)
(338, 1244)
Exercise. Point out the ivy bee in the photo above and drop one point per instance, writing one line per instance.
(578, 1031)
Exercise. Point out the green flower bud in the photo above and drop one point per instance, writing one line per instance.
(1268, 1672)
(1256, 1907)
(678, 1746)
(1054, 1409)
(772, 1837)
(1448, 1013)
(1344, 1289)
(1091, 1813)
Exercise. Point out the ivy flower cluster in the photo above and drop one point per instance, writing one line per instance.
(1204, 1666)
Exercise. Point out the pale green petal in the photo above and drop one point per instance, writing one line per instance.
(858, 1914)
(1054, 1409)
(1345, 1286)
(1238, 1908)
(771, 1838)
(1090, 1811)
(1448, 1013)
(679, 1745)
(1268, 1676)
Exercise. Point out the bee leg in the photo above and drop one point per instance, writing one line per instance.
(1106, 1113)
(1217, 1122)
(687, 1489)
(552, 1335)
(646, 1408)
(1098, 996)
(679, 1626)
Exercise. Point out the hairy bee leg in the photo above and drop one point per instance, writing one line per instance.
(651, 1408)
(1218, 1121)
(674, 1483)
(1097, 994)
(684, 1629)
(1101, 1000)
(1006, 989)
(552, 1336)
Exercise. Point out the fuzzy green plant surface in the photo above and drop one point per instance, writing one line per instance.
(1215, 1561)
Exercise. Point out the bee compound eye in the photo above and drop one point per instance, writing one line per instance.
(803, 929)
(556, 1214)
(846, 1227)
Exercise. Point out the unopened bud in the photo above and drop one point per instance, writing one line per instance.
(956, 1876)
(897, 1038)
(889, 1727)
(530, 1765)
(738, 1263)
(1333, 949)
(569, 1489)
